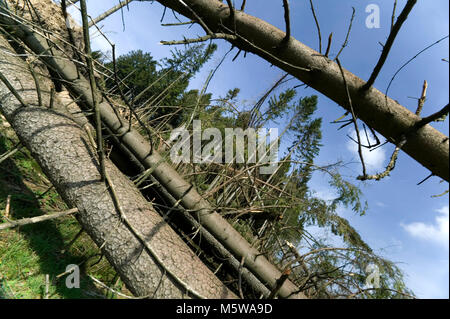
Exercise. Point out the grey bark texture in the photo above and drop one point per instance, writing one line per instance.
(65, 154)
(162, 171)
(427, 146)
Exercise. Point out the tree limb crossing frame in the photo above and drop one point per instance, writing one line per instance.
(427, 145)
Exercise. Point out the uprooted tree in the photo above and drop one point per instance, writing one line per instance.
(44, 53)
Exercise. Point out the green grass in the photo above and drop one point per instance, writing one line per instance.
(29, 253)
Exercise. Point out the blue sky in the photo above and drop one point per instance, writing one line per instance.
(403, 223)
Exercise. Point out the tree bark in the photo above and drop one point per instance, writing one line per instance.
(166, 268)
(427, 146)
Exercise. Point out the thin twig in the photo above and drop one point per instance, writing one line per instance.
(269, 55)
(355, 120)
(98, 282)
(38, 219)
(433, 117)
(404, 137)
(317, 25)
(127, 102)
(440, 195)
(70, 30)
(240, 277)
(330, 38)
(243, 5)
(232, 15)
(425, 179)
(393, 15)
(390, 41)
(163, 15)
(177, 24)
(422, 98)
(12, 89)
(36, 83)
(389, 168)
(204, 38)
(11, 152)
(107, 13)
(71, 2)
(236, 56)
(409, 61)
(7, 208)
(98, 121)
(287, 20)
(234, 37)
(199, 20)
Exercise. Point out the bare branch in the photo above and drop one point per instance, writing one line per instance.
(393, 15)
(287, 20)
(243, 5)
(93, 84)
(355, 119)
(433, 117)
(425, 179)
(199, 20)
(389, 167)
(442, 194)
(409, 61)
(387, 47)
(12, 89)
(348, 34)
(177, 24)
(11, 152)
(38, 219)
(232, 15)
(330, 39)
(107, 13)
(422, 98)
(317, 25)
(201, 39)
(7, 208)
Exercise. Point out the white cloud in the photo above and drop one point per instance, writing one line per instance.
(374, 159)
(437, 232)
(98, 41)
(428, 279)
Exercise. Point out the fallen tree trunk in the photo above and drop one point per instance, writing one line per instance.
(180, 189)
(162, 266)
(427, 146)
